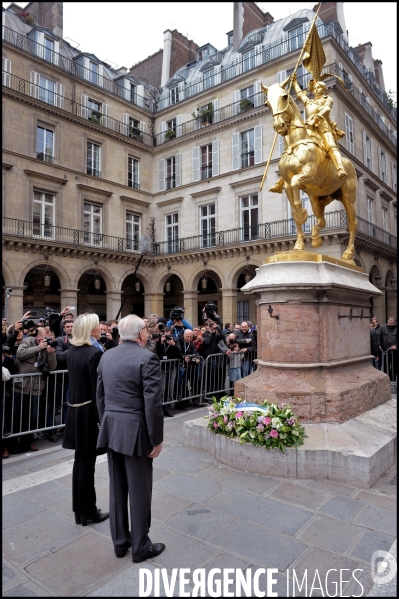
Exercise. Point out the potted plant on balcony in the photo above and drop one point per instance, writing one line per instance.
(95, 117)
(246, 104)
(136, 134)
(205, 113)
(170, 134)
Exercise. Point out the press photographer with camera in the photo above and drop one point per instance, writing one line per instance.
(167, 349)
(188, 373)
(177, 322)
(209, 313)
(35, 355)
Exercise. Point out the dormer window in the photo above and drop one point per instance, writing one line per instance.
(202, 53)
(93, 72)
(48, 49)
(230, 38)
(174, 95)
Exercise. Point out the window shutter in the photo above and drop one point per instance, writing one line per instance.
(84, 109)
(257, 94)
(364, 147)
(6, 72)
(215, 158)
(143, 128)
(34, 84)
(258, 55)
(349, 132)
(140, 95)
(125, 128)
(178, 169)
(281, 76)
(236, 151)
(60, 93)
(379, 162)
(217, 73)
(40, 50)
(258, 144)
(178, 126)
(161, 175)
(181, 91)
(215, 105)
(196, 163)
(105, 115)
(236, 101)
(163, 129)
(372, 154)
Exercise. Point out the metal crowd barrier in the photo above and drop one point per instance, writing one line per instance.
(389, 365)
(46, 410)
(28, 409)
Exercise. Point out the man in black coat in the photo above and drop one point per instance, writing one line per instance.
(388, 339)
(246, 339)
(129, 401)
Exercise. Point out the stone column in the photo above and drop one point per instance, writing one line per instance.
(191, 306)
(229, 305)
(113, 303)
(69, 297)
(15, 305)
(153, 304)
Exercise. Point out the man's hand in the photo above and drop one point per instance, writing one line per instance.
(65, 310)
(18, 325)
(27, 314)
(155, 451)
(50, 350)
(42, 344)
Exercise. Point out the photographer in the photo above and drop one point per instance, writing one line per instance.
(246, 338)
(209, 313)
(34, 355)
(107, 339)
(188, 371)
(177, 322)
(54, 319)
(167, 350)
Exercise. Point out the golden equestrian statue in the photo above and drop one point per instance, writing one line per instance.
(311, 160)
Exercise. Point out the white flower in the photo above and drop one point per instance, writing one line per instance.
(276, 423)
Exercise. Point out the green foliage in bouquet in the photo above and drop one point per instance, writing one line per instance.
(268, 425)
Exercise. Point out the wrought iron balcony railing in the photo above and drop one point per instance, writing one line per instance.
(102, 120)
(22, 42)
(254, 233)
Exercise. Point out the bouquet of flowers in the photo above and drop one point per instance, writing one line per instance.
(266, 424)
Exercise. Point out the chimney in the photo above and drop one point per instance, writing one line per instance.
(167, 53)
(122, 70)
(333, 11)
(48, 14)
(366, 55)
(238, 24)
(379, 75)
(247, 17)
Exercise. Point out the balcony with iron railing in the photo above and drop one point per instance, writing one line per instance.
(282, 229)
(70, 66)
(95, 117)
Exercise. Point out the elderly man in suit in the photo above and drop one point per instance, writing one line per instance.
(129, 401)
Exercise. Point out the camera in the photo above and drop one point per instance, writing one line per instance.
(210, 308)
(161, 326)
(156, 336)
(51, 311)
(177, 313)
(50, 342)
(168, 337)
(28, 323)
(115, 333)
(5, 349)
(191, 358)
(103, 337)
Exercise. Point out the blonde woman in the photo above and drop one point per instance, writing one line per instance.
(82, 424)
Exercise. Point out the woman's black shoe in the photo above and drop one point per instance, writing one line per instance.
(94, 518)
(78, 518)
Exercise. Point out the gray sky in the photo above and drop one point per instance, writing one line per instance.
(123, 33)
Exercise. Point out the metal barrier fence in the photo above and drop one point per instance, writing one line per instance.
(29, 407)
(389, 365)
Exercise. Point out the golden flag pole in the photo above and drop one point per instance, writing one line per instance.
(289, 90)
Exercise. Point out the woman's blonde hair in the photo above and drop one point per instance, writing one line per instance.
(82, 329)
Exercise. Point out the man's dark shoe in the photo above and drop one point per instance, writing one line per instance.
(98, 516)
(168, 413)
(33, 447)
(53, 438)
(121, 551)
(153, 551)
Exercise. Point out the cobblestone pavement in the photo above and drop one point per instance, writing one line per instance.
(318, 533)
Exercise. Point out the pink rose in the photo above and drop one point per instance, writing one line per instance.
(215, 424)
(267, 420)
(225, 419)
(239, 414)
(274, 433)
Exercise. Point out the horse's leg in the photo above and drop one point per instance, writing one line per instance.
(300, 236)
(348, 199)
(318, 209)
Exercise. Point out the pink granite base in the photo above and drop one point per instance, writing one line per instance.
(318, 394)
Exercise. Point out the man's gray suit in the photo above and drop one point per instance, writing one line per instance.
(129, 402)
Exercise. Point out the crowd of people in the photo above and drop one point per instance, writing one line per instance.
(384, 339)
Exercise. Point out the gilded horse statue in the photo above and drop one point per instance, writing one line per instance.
(305, 165)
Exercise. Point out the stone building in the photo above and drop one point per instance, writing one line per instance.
(175, 148)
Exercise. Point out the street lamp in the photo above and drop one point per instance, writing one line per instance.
(97, 280)
(168, 285)
(247, 271)
(47, 275)
(204, 280)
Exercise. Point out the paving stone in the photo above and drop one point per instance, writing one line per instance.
(51, 570)
(379, 518)
(258, 544)
(190, 452)
(267, 512)
(64, 508)
(341, 507)
(216, 473)
(12, 577)
(7, 574)
(181, 550)
(159, 473)
(226, 560)
(330, 534)
(17, 509)
(332, 487)
(20, 591)
(299, 494)
(46, 493)
(65, 480)
(323, 561)
(199, 521)
(180, 464)
(377, 499)
(188, 487)
(36, 537)
(165, 505)
(362, 586)
(250, 482)
(372, 541)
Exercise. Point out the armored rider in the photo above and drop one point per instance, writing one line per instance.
(318, 118)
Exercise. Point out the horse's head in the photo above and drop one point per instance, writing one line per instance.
(281, 105)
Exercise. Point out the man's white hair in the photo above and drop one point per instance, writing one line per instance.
(130, 327)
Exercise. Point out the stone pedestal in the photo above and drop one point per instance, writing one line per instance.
(316, 354)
